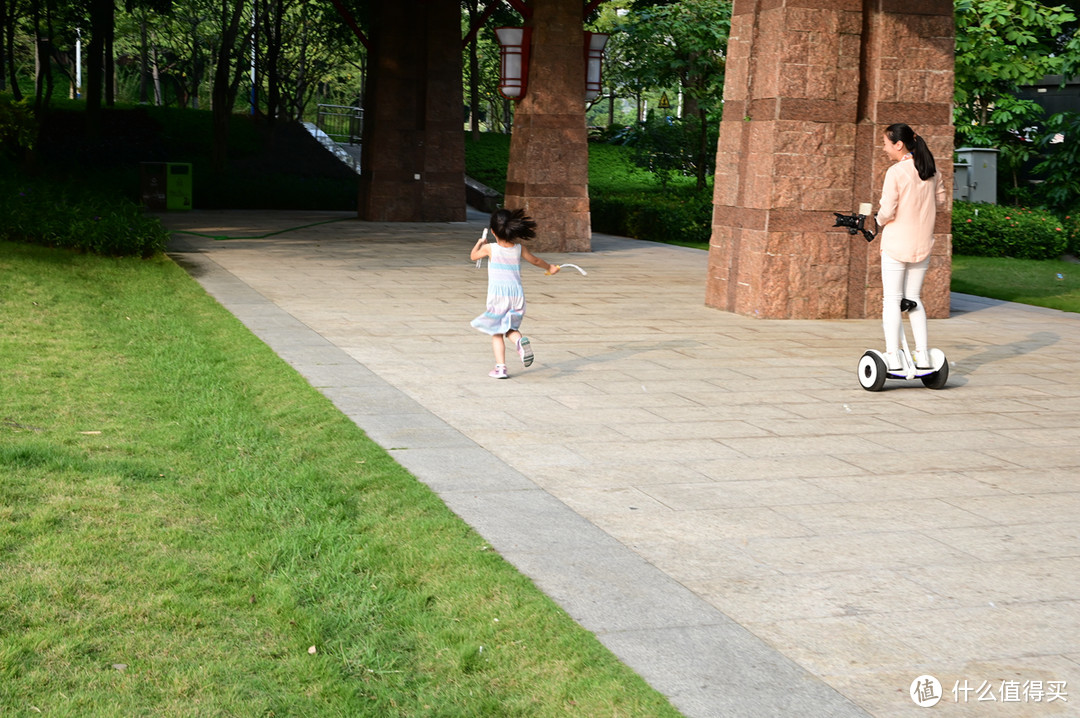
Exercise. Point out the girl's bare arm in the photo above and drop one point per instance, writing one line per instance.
(536, 261)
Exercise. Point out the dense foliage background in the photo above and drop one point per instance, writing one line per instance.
(261, 66)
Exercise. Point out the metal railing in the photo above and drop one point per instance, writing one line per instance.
(341, 123)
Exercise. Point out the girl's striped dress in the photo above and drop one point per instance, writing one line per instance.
(505, 295)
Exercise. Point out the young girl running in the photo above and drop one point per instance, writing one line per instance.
(505, 295)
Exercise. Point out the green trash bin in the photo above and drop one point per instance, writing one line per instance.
(165, 185)
(178, 185)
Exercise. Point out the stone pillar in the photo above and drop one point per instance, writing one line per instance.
(548, 173)
(810, 86)
(908, 49)
(413, 157)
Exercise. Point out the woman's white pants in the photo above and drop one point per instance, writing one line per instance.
(902, 280)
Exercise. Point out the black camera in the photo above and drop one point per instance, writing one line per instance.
(855, 223)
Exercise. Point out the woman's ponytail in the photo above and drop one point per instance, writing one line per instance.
(923, 158)
(920, 153)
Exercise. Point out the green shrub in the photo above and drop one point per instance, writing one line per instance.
(1071, 224)
(667, 146)
(624, 199)
(612, 170)
(18, 125)
(989, 230)
(57, 215)
(682, 217)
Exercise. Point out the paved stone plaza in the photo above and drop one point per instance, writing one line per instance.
(713, 495)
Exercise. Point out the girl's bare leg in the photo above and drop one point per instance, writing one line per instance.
(499, 347)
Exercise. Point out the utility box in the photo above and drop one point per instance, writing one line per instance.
(165, 185)
(961, 183)
(980, 176)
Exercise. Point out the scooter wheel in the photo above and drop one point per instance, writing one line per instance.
(871, 372)
(937, 379)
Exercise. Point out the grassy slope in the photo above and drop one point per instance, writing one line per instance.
(610, 168)
(182, 517)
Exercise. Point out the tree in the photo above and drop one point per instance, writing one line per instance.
(226, 77)
(472, 17)
(101, 23)
(683, 44)
(1001, 45)
(482, 60)
(9, 19)
(140, 12)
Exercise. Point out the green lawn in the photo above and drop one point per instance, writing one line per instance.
(188, 528)
(1044, 283)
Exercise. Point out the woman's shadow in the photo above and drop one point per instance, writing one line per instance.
(624, 351)
(1034, 342)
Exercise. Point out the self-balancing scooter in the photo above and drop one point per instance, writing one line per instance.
(873, 368)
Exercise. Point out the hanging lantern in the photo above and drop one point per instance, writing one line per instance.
(594, 62)
(514, 60)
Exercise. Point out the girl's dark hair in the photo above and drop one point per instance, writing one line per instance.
(920, 153)
(512, 225)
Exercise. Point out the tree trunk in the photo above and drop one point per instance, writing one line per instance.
(41, 58)
(474, 90)
(690, 106)
(48, 47)
(222, 102)
(474, 74)
(6, 16)
(254, 97)
(143, 61)
(157, 77)
(274, 11)
(9, 29)
(703, 147)
(301, 70)
(110, 65)
(362, 100)
(95, 61)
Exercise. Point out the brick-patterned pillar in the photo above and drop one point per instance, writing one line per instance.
(548, 174)
(413, 157)
(908, 50)
(806, 97)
